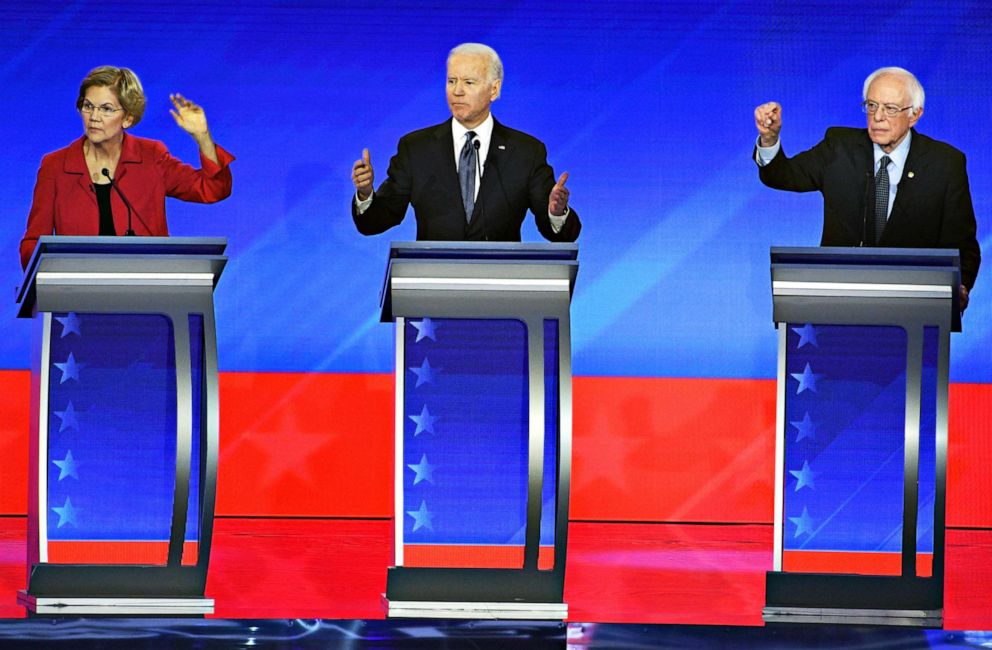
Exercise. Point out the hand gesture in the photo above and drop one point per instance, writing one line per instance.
(189, 116)
(558, 199)
(768, 119)
(362, 176)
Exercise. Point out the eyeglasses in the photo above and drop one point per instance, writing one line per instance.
(103, 110)
(889, 109)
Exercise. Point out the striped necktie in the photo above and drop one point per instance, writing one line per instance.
(466, 174)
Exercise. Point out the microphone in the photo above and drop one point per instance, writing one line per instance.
(129, 232)
(868, 238)
(482, 205)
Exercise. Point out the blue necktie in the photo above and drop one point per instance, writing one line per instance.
(881, 198)
(466, 174)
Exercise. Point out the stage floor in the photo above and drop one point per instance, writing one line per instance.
(87, 634)
(685, 574)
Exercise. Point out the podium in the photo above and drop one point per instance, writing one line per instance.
(861, 440)
(124, 424)
(483, 428)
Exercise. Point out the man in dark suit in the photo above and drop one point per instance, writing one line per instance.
(469, 178)
(886, 185)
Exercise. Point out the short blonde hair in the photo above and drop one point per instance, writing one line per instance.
(123, 82)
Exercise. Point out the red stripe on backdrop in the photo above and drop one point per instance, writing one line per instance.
(295, 444)
(881, 564)
(969, 456)
(14, 407)
(117, 552)
(474, 557)
(645, 449)
(654, 449)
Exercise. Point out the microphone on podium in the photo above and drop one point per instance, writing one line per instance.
(482, 206)
(129, 232)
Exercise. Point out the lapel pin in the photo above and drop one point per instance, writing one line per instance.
(501, 147)
(911, 174)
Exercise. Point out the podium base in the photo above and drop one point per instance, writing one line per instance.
(933, 618)
(471, 610)
(103, 606)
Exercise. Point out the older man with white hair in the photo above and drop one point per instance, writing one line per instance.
(470, 177)
(885, 185)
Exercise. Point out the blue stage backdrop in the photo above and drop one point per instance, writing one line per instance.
(647, 105)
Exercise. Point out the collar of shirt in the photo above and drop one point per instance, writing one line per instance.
(483, 133)
(898, 158)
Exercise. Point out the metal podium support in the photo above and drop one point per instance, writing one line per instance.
(861, 440)
(505, 307)
(124, 425)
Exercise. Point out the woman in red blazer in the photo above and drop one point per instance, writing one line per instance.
(73, 195)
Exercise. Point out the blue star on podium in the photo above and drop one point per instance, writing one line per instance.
(804, 476)
(807, 379)
(807, 334)
(70, 324)
(67, 467)
(70, 369)
(66, 513)
(424, 470)
(68, 417)
(424, 421)
(804, 523)
(422, 518)
(805, 427)
(425, 374)
(425, 329)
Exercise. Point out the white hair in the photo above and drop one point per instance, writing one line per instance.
(495, 65)
(913, 85)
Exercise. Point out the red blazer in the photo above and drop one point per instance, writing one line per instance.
(64, 201)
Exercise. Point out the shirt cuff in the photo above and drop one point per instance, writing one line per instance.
(362, 206)
(764, 155)
(557, 222)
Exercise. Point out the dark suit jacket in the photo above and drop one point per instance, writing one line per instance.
(933, 203)
(65, 203)
(516, 178)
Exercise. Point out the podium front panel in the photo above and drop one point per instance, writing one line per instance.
(845, 449)
(111, 442)
(465, 442)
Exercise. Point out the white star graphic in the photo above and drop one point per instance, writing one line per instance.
(425, 329)
(424, 470)
(807, 379)
(68, 417)
(804, 523)
(425, 374)
(67, 467)
(422, 518)
(805, 427)
(804, 476)
(807, 334)
(424, 421)
(66, 513)
(70, 324)
(70, 369)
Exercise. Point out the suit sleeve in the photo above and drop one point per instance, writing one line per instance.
(390, 201)
(209, 184)
(958, 229)
(41, 218)
(801, 173)
(542, 179)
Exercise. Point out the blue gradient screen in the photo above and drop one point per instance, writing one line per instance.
(647, 105)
